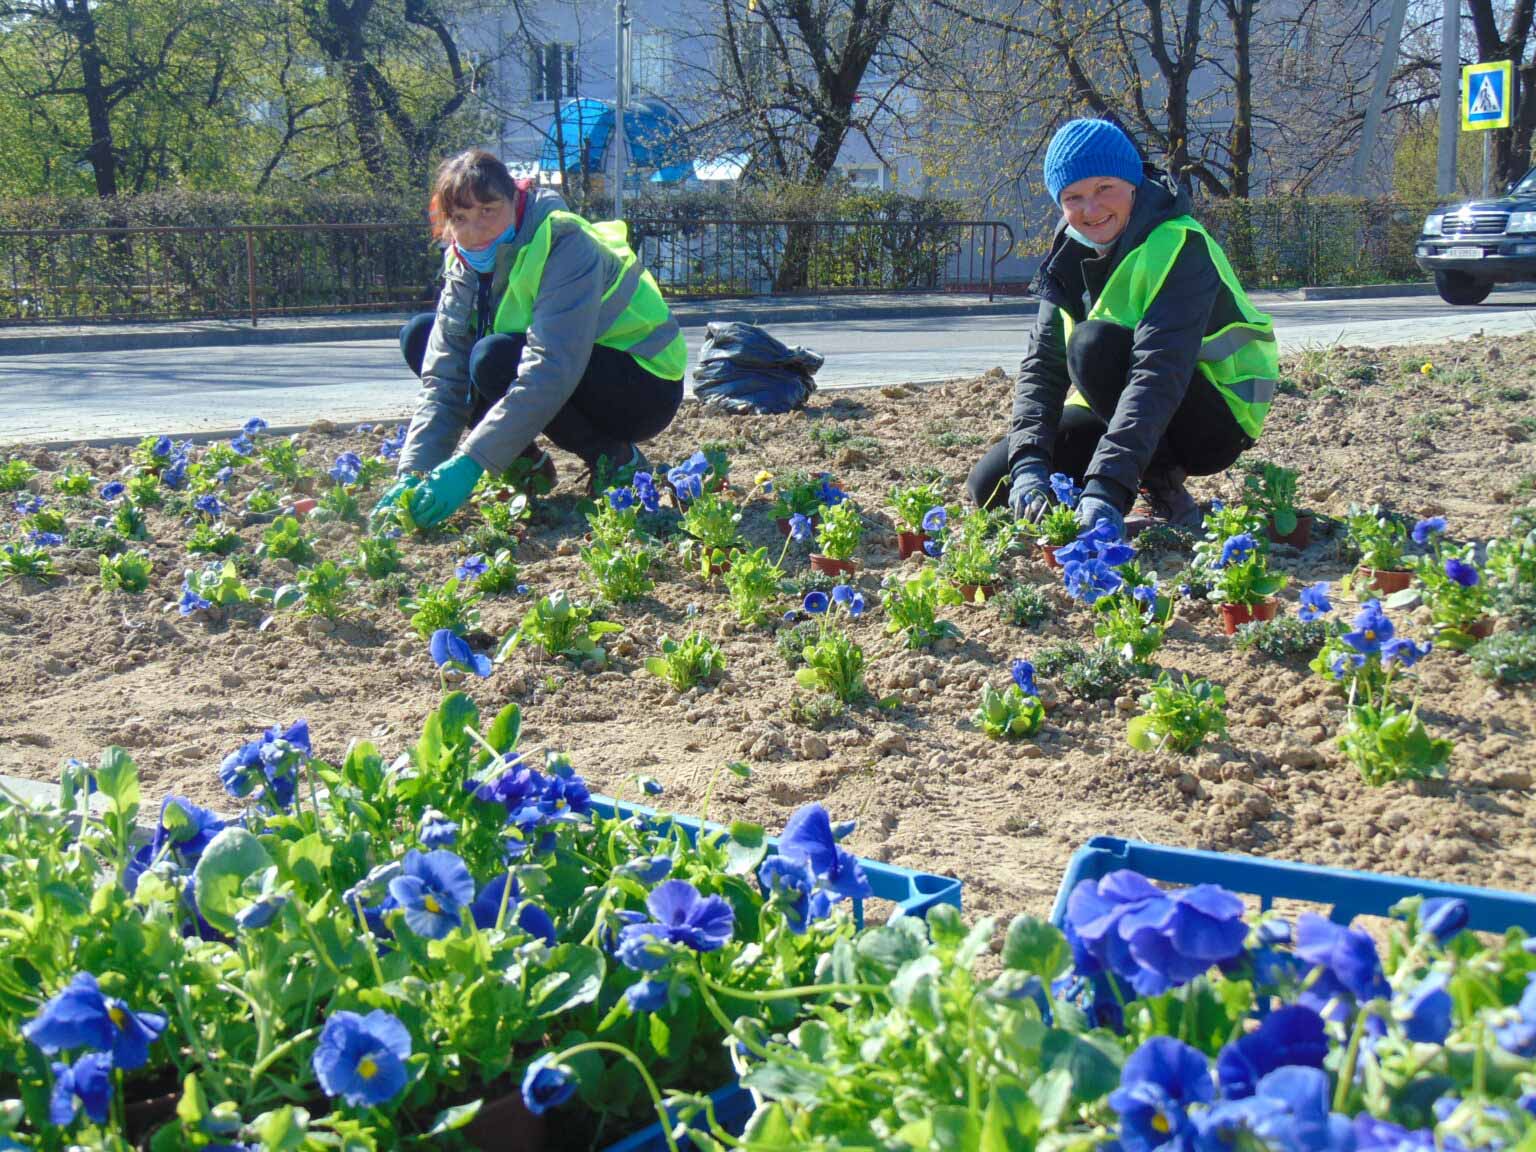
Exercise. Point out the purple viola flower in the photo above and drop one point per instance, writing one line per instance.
(1090, 580)
(1023, 673)
(815, 603)
(255, 426)
(1424, 530)
(1347, 955)
(1401, 650)
(808, 837)
(82, 1017)
(184, 827)
(433, 888)
(935, 519)
(436, 830)
(1426, 1010)
(828, 493)
(789, 884)
(647, 995)
(1159, 1082)
(1314, 602)
(1461, 572)
(472, 567)
(1372, 629)
(527, 915)
(685, 484)
(621, 499)
(546, 1085)
(1443, 917)
(112, 489)
(448, 648)
(680, 915)
(209, 505)
(1237, 549)
(346, 469)
(1293, 1034)
(644, 485)
(87, 1085)
(1289, 1109)
(1518, 1033)
(190, 601)
(362, 1059)
(242, 445)
(799, 528)
(1066, 491)
(1145, 595)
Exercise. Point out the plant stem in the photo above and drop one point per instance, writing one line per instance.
(1351, 1057)
(639, 1066)
(279, 1052)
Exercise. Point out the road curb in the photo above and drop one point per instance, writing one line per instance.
(346, 329)
(1366, 291)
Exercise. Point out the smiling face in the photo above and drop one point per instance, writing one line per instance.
(476, 224)
(1098, 206)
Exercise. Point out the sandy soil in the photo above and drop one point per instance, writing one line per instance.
(85, 668)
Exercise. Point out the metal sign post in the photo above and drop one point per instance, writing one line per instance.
(1487, 102)
(620, 99)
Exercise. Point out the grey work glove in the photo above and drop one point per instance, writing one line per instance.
(1030, 495)
(1090, 510)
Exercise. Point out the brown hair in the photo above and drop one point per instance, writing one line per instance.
(472, 177)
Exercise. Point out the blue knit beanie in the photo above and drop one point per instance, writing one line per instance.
(1084, 148)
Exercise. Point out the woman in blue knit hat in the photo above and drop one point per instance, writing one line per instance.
(1148, 364)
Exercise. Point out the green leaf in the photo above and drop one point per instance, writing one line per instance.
(1052, 1095)
(192, 1108)
(117, 778)
(1139, 734)
(1285, 521)
(1093, 1065)
(657, 666)
(286, 597)
(739, 768)
(954, 1128)
(808, 678)
(660, 1034)
(1011, 1119)
(769, 1130)
(230, 857)
(576, 979)
(745, 848)
(282, 1130)
(450, 1119)
(505, 729)
(458, 712)
(1036, 946)
(916, 988)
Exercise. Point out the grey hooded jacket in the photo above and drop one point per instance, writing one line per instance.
(565, 324)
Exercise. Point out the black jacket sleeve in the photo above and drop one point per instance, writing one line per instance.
(1040, 391)
(1164, 354)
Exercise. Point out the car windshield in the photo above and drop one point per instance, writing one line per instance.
(1527, 185)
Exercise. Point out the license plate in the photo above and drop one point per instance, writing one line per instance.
(1463, 253)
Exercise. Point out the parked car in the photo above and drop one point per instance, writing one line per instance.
(1471, 247)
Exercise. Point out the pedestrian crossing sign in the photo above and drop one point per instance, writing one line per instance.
(1486, 95)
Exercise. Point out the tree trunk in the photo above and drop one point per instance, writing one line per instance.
(1240, 15)
(101, 153)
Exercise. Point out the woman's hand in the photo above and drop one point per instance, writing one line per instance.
(444, 491)
(1030, 495)
(1090, 510)
(403, 483)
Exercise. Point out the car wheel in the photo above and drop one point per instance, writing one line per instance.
(1459, 288)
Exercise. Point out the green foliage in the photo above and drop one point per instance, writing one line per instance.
(73, 481)
(262, 500)
(145, 457)
(1455, 608)
(975, 546)
(219, 584)
(1272, 487)
(318, 591)
(144, 490)
(285, 540)
(1024, 605)
(45, 520)
(561, 627)
(206, 538)
(284, 459)
(1246, 580)
(1509, 657)
(19, 559)
(128, 520)
(503, 515)
(448, 606)
(621, 572)
(615, 527)
(1009, 714)
(337, 504)
(15, 473)
(713, 521)
(912, 605)
(1178, 715)
(1283, 637)
(816, 711)
(1058, 527)
(1087, 673)
(792, 642)
(684, 663)
(500, 574)
(834, 663)
(840, 530)
(751, 583)
(129, 571)
(378, 556)
(717, 452)
(1222, 524)
(1386, 742)
(796, 492)
(1380, 537)
(1130, 627)
(911, 502)
(96, 538)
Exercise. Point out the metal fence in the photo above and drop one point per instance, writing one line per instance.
(74, 275)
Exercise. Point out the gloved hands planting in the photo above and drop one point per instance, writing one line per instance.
(444, 490)
(1030, 495)
(403, 483)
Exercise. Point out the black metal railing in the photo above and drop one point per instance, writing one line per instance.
(78, 275)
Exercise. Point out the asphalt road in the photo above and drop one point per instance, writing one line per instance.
(203, 390)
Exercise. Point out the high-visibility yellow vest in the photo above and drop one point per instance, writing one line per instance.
(634, 318)
(1242, 359)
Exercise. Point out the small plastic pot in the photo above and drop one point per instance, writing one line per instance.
(968, 591)
(1385, 580)
(1234, 616)
(1297, 538)
(302, 508)
(831, 567)
(1049, 552)
(1482, 627)
(910, 543)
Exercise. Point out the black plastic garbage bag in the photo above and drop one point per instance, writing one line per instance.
(743, 369)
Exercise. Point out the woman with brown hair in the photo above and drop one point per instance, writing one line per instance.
(547, 323)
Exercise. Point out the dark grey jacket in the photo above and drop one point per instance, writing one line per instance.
(1165, 350)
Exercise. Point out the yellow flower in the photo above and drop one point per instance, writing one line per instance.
(1427, 368)
(762, 477)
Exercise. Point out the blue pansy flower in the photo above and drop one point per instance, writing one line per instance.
(1293, 1034)
(815, 603)
(1344, 661)
(25, 507)
(392, 445)
(1159, 1082)
(647, 996)
(680, 915)
(436, 830)
(472, 567)
(175, 477)
(254, 426)
(808, 837)
(190, 601)
(1193, 930)
(1145, 595)
(1426, 1010)
(527, 915)
(621, 499)
(433, 888)
(1443, 917)
(1401, 650)
(1461, 572)
(1347, 955)
(39, 539)
(88, 1085)
(185, 827)
(223, 474)
(259, 913)
(1023, 673)
(829, 493)
(934, 548)
(82, 1017)
(1066, 491)
(687, 485)
(242, 445)
(789, 884)
(934, 519)
(799, 527)
(645, 490)
(1090, 580)
(162, 447)
(112, 489)
(1518, 1032)
(1373, 1135)
(1289, 1111)
(1237, 549)
(209, 505)
(449, 648)
(362, 1059)
(1372, 629)
(546, 1085)
(1424, 529)
(346, 468)
(647, 870)
(1314, 602)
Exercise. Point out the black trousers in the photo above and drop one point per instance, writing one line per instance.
(1202, 438)
(616, 403)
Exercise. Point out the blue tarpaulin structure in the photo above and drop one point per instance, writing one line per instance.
(651, 131)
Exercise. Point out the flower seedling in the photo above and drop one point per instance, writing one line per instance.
(1387, 742)
(1059, 527)
(1451, 585)
(1272, 488)
(1508, 657)
(912, 606)
(318, 591)
(285, 460)
(1221, 523)
(1367, 657)
(561, 627)
(974, 548)
(1132, 621)
(493, 576)
(834, 663)
(1016, 711)
(1178, 715)
(684, 663)
(378, 556)
(128, 571)
(44, 520)
(910, 504)
(285, 540)
(262, 500)
(1024, 605)
(144, 490)
(1242, 573)
(73, 481)
(25, 560)
(208, 538)
(15, 474)
(1283, 637)
(714, 523)
(450, 606)
(153, 454)
(128, 520)
(751, 583)
(615, 520)
(805, 495)
(338, 504)
(620, 572)
(216, 585)
(840, 530)
(1380, 538)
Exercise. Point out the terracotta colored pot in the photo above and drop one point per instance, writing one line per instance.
(1385, 580)
(1482, 627)
(831, 567)
(1299, 538)
(908, 543)
(782, 523)
(968, 591)
(1049, 552)
(1234, 616)
(302, 508)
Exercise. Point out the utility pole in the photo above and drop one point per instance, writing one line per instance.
(621, 98)
(1450, 95)
(1384, 70)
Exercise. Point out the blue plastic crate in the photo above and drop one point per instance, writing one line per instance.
(915, 893)
(1346, 893)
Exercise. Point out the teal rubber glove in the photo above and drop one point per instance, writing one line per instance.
(402, 483)
(444, 490)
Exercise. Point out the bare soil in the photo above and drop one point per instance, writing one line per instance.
(84, 668)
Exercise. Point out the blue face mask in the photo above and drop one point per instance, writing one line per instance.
(483, 260)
